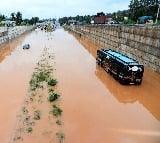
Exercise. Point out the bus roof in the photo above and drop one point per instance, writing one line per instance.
(120, 56)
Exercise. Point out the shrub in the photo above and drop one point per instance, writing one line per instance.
(56, 111)
(129, 21)
(52, 82)
(59, 122)
(53, 97)
(42, 76)
(29, 130)
(60, 137)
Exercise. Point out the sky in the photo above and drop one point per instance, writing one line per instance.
(60, 8)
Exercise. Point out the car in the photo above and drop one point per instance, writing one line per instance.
(26, 46)
(112, 22)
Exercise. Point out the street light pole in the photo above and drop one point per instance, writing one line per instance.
(158, 12)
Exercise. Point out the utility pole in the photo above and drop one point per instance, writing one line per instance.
(157, 12)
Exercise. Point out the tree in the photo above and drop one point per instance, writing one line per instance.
(87, 19)
(63, 20)
(13, 16)
(18, 18)
(2, 17)
(143, 8)
(34, 20)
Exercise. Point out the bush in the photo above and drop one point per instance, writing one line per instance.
(129, 21)
(42, 76)
(59, 122)
(60, 137)
(56, 111)
(53, 97)
(158, 22)
(29, 130)
(52, 82)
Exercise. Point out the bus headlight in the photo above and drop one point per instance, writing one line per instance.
(134, 68)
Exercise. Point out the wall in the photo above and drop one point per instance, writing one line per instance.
(9, 33)
(139, 42)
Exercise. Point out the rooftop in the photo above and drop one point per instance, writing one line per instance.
(120, 56)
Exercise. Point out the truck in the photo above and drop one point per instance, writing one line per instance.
(123, 68)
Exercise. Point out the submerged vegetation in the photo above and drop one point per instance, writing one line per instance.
(53, 97)
(37, 115)
(60, 137)
(29, 130)
(56, 111)
(43, 78)
(52, 82)
(42, 90)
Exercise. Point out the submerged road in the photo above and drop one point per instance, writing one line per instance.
(96, 108)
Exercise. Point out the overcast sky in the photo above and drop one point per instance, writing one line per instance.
(60, 8)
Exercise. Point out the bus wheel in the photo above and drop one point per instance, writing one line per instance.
(139, 83)
(122, 81)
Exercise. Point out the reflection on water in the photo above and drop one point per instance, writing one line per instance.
(147, 94)
(95, 110)
(131, 94)
(4, 51)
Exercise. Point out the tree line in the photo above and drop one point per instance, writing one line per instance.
(17, 17)
(137, 8)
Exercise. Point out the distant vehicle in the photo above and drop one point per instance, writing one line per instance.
(145, 20)
(112, 22)
(26, 46)
(124, 69)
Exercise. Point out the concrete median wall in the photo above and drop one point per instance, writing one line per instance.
(9, 33)
(139, 42)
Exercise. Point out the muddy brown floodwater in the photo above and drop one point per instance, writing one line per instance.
(96, 108)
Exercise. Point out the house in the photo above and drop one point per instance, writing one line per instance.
(101, 18)
(71, 21)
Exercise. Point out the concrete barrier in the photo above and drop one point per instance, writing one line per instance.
(9, 33)
(139, 42)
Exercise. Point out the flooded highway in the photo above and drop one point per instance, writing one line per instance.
(96, 108)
